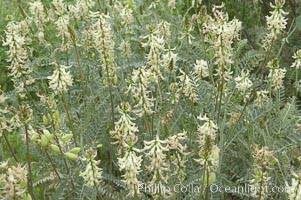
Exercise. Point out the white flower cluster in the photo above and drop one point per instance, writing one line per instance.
(13, 181)
(201, 68)
(155, 42)
(139, 90)
(221, 33)
(209, 152)
(60, 80)
(294, 192)
(188, 87)
(92, 173)
(102, 36)
(36, 8)
(276, 75)
(243, 83)
(156, 153)
(81, 8)
(276, 23)
(178, 158)
(124, 127)
(297, 57)
(17, 42)
(131, 163)
(261, 97)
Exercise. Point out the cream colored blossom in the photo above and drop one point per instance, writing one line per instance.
(13, 181)
(276, 23)
(297, 57)
(155, 152)
(261, 97)
(188, 87)
(139, 89)
(92, 173)
(294, 190)
(124, 127)
(276, 75)
(243, 83)
(201, 68)
(102, 36)
(61, 79)
(131, 163)
(36, 8)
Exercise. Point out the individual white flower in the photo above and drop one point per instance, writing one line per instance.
(243, 83)
(61, 79)
(201, 68)
(92, 173)
(297, 57)
(155, 152)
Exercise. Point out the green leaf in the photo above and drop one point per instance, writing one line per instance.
(298, 22)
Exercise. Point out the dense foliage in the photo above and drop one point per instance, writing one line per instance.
(144, 99)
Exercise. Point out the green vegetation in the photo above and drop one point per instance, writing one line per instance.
(170, 99)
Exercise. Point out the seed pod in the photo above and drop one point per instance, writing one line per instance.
(71, 156)
(44, 141)
(55, 148)
(75, 150)
(67, 137)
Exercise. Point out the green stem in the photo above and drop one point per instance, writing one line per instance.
(30, 185)
(10, 147)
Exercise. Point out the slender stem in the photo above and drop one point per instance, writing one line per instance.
(10, 147)
(81, 73)
(30, 185)
(70, 120)
(52, 164)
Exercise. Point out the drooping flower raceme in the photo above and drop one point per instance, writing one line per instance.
(125, 126)
(294, 191)
(221, 34)
(276, 23)
(276, 75)
(201, 68)
(243, 83)
(155, 152)
(297, 57)
(131, 163)
(13, 181)
(178, 154)
(188, 87)
(36, 8)
(155, 42)
(92, 173)
(61, 79)
(102, 36)
(139, 90)
(209, 152)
